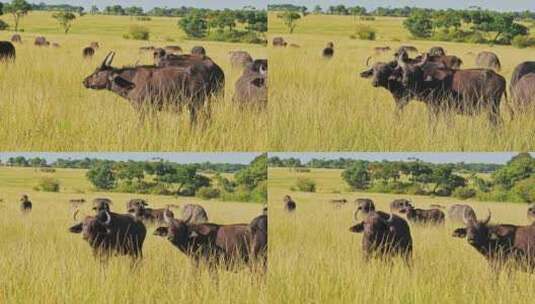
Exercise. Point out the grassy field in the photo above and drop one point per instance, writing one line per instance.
(315, 259)
(41, 262)
(324, 105)
(44, 105)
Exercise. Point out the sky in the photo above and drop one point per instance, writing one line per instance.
(500, 5)
(432, 157)
(183, 158)
(148, 4)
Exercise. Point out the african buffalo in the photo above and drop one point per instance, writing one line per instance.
(459, 213)
(520, 70)
(41, 41)
(111, 233)
(7, 51)
(77, 201)
(501, 243)
(398, 204)
(405, 49)
(295, 46)
(437, 51)
(95, 45)
(523, 93)
(338, 202)
(422, 216)
(259, 242)
(55, 45)
(100, 204)
(170, 85)
(240, 59)
(25, 204)
(531, 212)
(385, 236)
(488, 60)
(198, 50)
(209, 243)
(194, 214)
(88, 52)
(16, 38)
(138, 208)
(279, 42)
(251, 88)
(364, 206)
(289, 204)
(328, 51)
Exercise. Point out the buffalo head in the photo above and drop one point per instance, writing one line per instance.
(365, 206)
(382, 73)
(477, 233)
(93, 228)
(107, 77)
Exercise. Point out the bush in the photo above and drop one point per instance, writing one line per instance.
(236, 37)
(523, 41)
(365, 32)
(525, 190)
(464, 193)
(367, 18)
(138, 32)
(207, 193)
(47, 170)
(305, 185)
(302, 170)
(143, 18)
(48, 184)
(3, 25)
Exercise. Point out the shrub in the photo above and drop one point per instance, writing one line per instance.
(48, 184)
(47, 170)
(207, 193)
(305, 185)
(3, 25)
(367, 18)
(137, 32)
(525, 190)
(365, 32)
(464, 193)
(302, 170)
(143, 18)
(523, 41)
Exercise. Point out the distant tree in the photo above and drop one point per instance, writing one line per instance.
(317, 9)
(130, 171)
(102, 176)
(65, 20)
(18, 9)
(419, 24)
(254, 174)
(38, 162)
(194, 24)
(94, 10)
(1, 8)
(290, 20)
(357, 176)
(133, 11)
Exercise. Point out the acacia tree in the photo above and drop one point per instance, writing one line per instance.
(290, 19)
(19, 9)
(65, 20)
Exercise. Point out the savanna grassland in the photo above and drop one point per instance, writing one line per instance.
(44, 106)
(315, 259)
(41, 262)
(324, 105)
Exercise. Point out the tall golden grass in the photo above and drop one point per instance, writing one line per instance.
(41, 262)
(44, 105)
(315, 259)
(324, 105)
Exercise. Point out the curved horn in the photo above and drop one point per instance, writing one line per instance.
(110, 60)
(355, 214)
(487, 220)
(166, 217)
(465, 219)
(262, 70)
(75, 213)
(368, 61)
(425, 58)
(401, 61)
(108, 216)
(103, 65)
(390, 218)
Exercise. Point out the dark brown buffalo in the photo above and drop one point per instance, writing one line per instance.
(488, 60)
(252, 88)
(399, 204)
(279, 42)
(25, 204)
(437, 51)
(328, 51)
(259, 243)
(500, 244)
(240, 59)
(209, 243)
(88, 52)
(100, 204)
(194, 214)
(531, 212)
(289, 204)
(111, 233)
(523, 93)
(198, 50)
(338, 202)
(171, 85)
(7, 51)
(385, 236)
(16, 38)
(138, 208)
(41, 41)
(95, 45)
(422, 216)
(520, 70)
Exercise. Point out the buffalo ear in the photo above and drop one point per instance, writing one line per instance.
(258, 82)
(366, 74)
(123, 83)
(201, 230)
(358, 228)
(161, 231)
(460, 233)
(76, 228)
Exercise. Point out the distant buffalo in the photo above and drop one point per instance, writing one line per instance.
(198, 50)
(138, 208)
(240, 59)
(194, 214)
(405, 49)
(461, 213)
(488, 60)
(110, 233)
(252, 88)
(381, 49)
(423, 216)
(7, 51)
(295, 46)
(95, 45)
(338, 202)
(437, 51)
(25, 204)
(41, 41)
(289, 204)
(279, 42)
(173, 49)
(16, 38)
(77, 201)
(522, 85)
(398, 204)
(88, 52)
(328, 51)
(100, 204)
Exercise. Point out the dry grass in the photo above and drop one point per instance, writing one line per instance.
(41, 262)
(315, 259)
